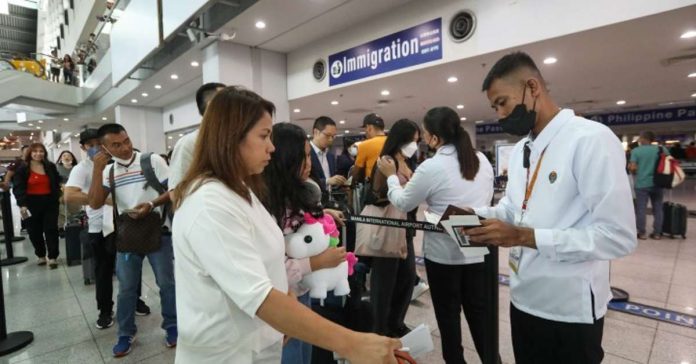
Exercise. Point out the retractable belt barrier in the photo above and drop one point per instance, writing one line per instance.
(396, 223)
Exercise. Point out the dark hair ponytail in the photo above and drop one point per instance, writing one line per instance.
(444, 123)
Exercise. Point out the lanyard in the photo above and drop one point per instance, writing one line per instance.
(530, 184)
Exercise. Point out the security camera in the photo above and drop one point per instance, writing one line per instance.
(192, 35)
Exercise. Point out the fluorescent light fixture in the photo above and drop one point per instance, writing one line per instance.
(452, 79)
(296, 110)
(260, 24)
(334, 102)
(144, 94)
(688, 34)
(158, 87)
(342, 122)
(550, 60)
(460, 106)
(385, 92)
(174, 76)
(195, 64)
(621, 102)
(135, 101)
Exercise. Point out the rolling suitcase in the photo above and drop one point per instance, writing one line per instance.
(88, 267)
(674, 222)
(73, 242)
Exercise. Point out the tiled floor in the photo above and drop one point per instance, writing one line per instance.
(61, 312)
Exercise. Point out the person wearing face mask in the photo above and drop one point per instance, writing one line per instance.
(347, 158)
(391, 279)
(456, 175)
(37, 190)
(65, 163)
(567, 212)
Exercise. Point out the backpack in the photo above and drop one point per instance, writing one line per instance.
(152, 181)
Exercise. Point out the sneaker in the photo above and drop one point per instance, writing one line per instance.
(172, 336)
(141, 309)
(654, 236)
(52, 264)
(123, 346)
(105, 320)
(642, 237)
(42, 261)
(419, 289)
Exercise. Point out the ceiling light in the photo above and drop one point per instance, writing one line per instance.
(180, 135)
(689, 308)
(296, 110)
(104, 118)
(385, 92)
(170, 137)
(621, 102)
(194, 64)
(342, 122)
(334, 102)
(480, 121)
(135, 101)
(452, 79)
(260, 24)
(158, 87)
(347, 131)
(692, 75)
(38, 128)
(55, 130)
(32, 134)
(689, 34)
(362, 132)
(144, 94)
(550, 60)
(76, 135)
(65, 119)
(30, 124)
(693, 94)
(174, 76)
(462, 118)
(460, 106)
(40, 121)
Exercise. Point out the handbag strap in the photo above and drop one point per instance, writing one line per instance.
(112, 186)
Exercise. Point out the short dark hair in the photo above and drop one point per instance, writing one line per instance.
(110, 129)
(508, 65)
(648, 135)
(321, 122)
(205, 93)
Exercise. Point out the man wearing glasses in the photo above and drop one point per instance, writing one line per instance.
(323, 160)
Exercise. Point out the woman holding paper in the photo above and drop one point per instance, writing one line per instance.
(457, 175)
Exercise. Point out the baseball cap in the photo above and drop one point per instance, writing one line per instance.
(88, 134)
(373, 119)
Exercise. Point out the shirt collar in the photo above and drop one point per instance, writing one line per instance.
(316, 149)
(542, 140)
(446, 149)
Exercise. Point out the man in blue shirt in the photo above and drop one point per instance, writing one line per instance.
(643, 163)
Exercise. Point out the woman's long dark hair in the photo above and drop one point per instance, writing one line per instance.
(400, 134)
(60, 157)
(27, 157)
(444, 123)
(285, 190)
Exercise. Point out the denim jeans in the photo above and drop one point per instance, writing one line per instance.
(655, 194)
(129, 269)
(296, 351)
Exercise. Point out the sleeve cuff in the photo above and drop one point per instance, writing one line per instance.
(484, 212)
(393, 181)
(544, 243)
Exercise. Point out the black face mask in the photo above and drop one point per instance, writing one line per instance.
(520, 121)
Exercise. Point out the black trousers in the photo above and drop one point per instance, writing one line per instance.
(537, 340)
(453, 288)
(391, 287)
(43, 225)
(104, 265)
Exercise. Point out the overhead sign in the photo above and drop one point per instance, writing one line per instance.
(646, 116)
(410, 47)
(489, 129)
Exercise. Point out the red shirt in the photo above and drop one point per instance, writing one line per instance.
(38, 184)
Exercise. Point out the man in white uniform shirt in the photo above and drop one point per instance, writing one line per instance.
(182, 155)
(566, 213)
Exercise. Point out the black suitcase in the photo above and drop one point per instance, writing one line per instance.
(88, 266)
(73, 244)
(674, 222)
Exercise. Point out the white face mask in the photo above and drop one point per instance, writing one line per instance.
(124, 162)
(353, 150)
(409, 149)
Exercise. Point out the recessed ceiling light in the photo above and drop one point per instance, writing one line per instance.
(32, 134)
(362, 132)
(30, 124)
(38, 127)
(180, 134)
(621, 102)
(40, 121)
(260, 24)
(169, 147)
(104, 118)
(144, 94)
(342, 122)
(692, 75)
(158, 87)
(76, 135)
(334, 102)
(480, 121)
(66, 119)
(689, 34)
(462, 118)
(385, 92)
(347, 131)
(135, 101)
(550, 60)
(452, 79)
(460, 106)
(55, 130)
(296, 110)
(693, 94)
(170, 137)
(194, 64)
(174, 76)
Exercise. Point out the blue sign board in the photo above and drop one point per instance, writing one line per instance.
(410, 47)
(646, 116)
(489, 129)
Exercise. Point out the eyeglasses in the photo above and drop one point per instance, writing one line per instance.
(330, 136)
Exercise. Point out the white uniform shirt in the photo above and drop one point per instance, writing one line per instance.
(182, 156)
(582, 214)
(81, 177)
(229, 255)
(439, 182)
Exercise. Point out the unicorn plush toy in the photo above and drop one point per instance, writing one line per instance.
(312, 238)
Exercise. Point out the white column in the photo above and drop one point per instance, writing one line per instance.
(261, 71)
(144, 127)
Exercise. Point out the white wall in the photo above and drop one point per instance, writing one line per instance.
(184, 112)
(144, 127)
(501, 24)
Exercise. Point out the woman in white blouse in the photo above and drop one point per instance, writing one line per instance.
(232, 300)
(457, 175)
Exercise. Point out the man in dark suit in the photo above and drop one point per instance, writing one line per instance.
(323, 161)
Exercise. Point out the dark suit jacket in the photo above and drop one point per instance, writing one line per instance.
(21, 177)
(317, 173)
